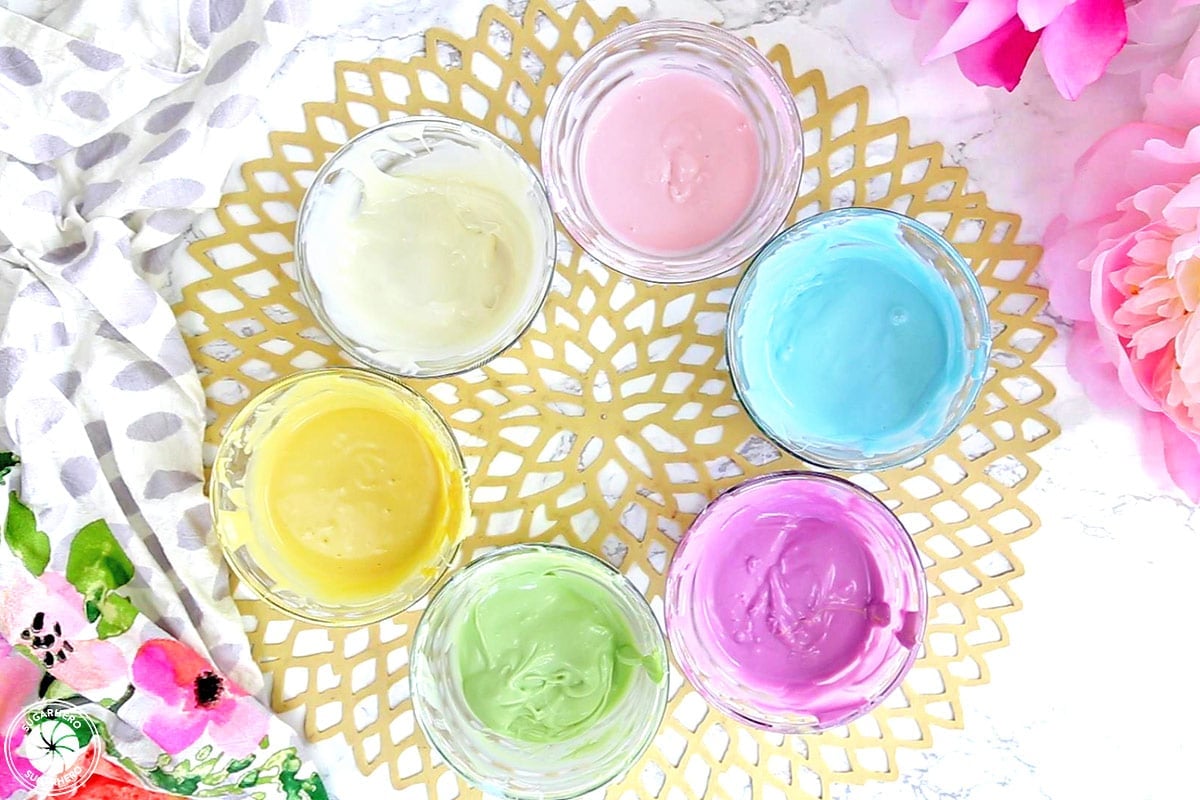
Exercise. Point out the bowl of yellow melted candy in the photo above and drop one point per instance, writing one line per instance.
(339, 495)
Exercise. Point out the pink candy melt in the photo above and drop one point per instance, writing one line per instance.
(671, 161)
(797, 596)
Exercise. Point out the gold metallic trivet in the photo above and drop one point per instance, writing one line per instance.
(614, 421)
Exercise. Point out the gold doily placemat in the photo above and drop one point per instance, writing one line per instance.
(614, 421)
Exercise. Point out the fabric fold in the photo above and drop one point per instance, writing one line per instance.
(118, 123)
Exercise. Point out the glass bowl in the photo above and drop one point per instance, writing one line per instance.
(258, 556)
(508, 766)
(417, 147)
(779, 545)
(870, 236)
(675, 45)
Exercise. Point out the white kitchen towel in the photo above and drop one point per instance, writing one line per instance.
(118, 122)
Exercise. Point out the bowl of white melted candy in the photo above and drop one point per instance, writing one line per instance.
(425, 246)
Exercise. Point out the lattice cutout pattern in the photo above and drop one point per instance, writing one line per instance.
(613, 421)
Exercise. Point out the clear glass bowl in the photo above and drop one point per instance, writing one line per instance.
(933, 252)
(673, 44)
(831, 702)
(248, 547)
(512, 768)
(395, 147)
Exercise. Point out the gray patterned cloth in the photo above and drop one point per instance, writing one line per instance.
(118, 122)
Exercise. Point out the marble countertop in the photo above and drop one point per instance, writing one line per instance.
(1091, 698)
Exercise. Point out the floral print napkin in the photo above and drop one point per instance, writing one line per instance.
(75, 642)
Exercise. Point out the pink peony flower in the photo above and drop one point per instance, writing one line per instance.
(45, 616)
(195, 698)
(1123, 261)
(993, 39)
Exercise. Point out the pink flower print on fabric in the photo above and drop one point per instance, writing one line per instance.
(45, 617)
(19, 679)
(195, 698)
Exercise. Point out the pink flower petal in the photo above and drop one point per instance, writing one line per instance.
(244, 726)
(1187, 284)
(174, 729)
(1065, 269)
(1088, 364)
(1175, 101)
(1181, 454)
(9, 785)
(1108, 294)
(1152, 201)
(1102, 175)
(1188, 348)
(936, 18)
(1129, 375)
(1169, 159)
(979, 20)
(1037, 14)
(1078, 45)
(19, 685)
(1180, 212)
(94, 665)
(1154, 337)
(1151, 250)
(909, 8)
(999, 59)
(168, 669)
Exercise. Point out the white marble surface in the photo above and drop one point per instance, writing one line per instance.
(1093, 697)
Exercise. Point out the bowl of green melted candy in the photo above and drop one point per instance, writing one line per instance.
(539, 671)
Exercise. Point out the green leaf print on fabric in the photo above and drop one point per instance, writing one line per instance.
(23, 538)
(184, 785)
(7, 462)
(204, 776)
(239, 765)
(310, 788)
(96, 565)
(117, 615)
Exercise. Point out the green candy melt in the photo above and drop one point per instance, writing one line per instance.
(546, 653)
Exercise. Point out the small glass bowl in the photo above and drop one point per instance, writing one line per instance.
(673, 44)
(835, 701)
(394, 146)
(524, 770)
(240, 530)
(935, 253)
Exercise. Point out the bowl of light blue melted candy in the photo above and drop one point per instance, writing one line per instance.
(858, 339)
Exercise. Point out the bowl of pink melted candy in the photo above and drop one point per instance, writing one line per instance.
(672, 151)
(796, 602)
